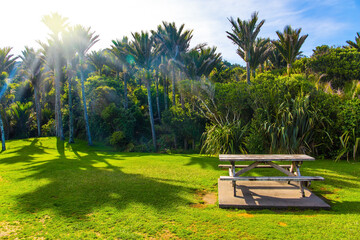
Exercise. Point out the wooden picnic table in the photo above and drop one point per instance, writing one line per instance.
(267, 161)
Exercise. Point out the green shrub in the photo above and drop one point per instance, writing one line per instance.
(256, 141)
(339, 64)
(350, 125)
(327, 135)
(350, 116)
(48, 129)
(183, 123)
(118, 140)
(226, 138)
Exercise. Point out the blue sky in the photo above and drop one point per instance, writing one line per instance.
(330, 22)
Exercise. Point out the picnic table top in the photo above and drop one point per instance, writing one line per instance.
(265, 157)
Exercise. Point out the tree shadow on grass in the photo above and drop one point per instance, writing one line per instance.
(23, 154)
(76, 187)
(204, 162)
(336, 175)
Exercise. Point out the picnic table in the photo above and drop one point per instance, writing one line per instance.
(292, 170)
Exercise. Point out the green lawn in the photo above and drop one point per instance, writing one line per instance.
(50, 189)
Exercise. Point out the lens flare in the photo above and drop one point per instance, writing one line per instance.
(8, 81)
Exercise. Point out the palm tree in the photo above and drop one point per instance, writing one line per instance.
(98, 59)
(173, 43)
(112, 62)
(275, 59)
(201, 61)
(120, 49)
(7, 62)
(243, 35)
(355, 44)
(69, 52)
(83, 41)
(3, 147)
(163, 70)
(32, 68)
(143, 51)
(289, 45)
(57, 24)
(259, 52)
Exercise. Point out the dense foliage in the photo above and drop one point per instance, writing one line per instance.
(339, 64)
(152, 92)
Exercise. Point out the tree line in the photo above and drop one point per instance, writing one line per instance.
(151, 87)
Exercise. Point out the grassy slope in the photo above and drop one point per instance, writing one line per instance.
(54, 190)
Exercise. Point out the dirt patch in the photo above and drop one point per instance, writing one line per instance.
(198, 205)
(209, 198)
(205, 199)
(8, 229)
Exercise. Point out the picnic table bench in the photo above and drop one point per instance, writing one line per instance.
(291, 171)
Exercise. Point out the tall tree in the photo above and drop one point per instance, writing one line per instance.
(163, 70)
(84, 40)
(143, 51)
(71, 61)
(97, 59)
(201, 61)
(120, 49)
(32, 69)
(7, 62)
(243, 35)
(173, 43)
(275, 59)
(259, 52)
(289, 44)
(57, 24)
(355, 44)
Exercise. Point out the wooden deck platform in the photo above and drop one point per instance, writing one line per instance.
(267, 194)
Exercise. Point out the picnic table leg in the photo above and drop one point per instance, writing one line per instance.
(292, 168)
(301, 183)
(232, 174)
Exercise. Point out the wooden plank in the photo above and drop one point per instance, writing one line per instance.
(265, 157)
(244, 166)
(248, 168)
(281, 169)
(281, 178)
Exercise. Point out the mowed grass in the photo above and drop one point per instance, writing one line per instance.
(52, 190)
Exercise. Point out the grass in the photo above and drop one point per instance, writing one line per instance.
(52, 190)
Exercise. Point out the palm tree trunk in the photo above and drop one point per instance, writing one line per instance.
(2, 134)
(289, 69)
(58, 117)
(254, 73)
(151, 113)
(248, 72)
(85, 108)
(247, 60)
(157, 97)
(173, 86)
(71, 115)
(126, 103)
(165, 92)
(37, 109)
(182, 99)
